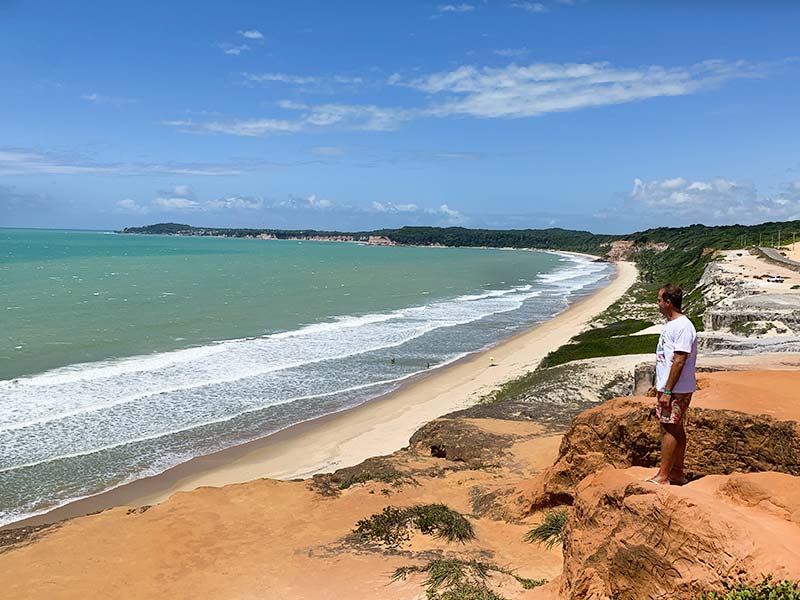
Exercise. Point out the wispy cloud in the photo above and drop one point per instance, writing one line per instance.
(361, 117)
(455, 8)
(449, 215)
(20, 161)
(531, 7)
(540, 88)
(511, 52)
(251, 34)
(96, 98)
(182, 199)
(233, 49)
(318, 83)
(277, 78)
(510, 92)
(715, 200)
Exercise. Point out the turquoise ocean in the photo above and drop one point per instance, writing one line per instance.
(124, 355)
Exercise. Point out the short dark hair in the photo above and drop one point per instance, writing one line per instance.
(671, 292)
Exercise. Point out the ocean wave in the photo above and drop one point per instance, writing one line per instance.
(91, 409)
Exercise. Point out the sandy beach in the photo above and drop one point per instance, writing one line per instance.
(378, 427)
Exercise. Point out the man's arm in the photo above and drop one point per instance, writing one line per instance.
(678, 362)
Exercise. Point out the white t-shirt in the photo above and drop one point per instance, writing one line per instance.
(678, 334)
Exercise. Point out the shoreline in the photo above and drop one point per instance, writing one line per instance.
(379, 426)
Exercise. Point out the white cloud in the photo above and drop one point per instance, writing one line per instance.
(131, 207)
(233, 49)
(510, 92)
(327, 81)
(455, 8)
(308, 203)
(447, 215)
(361, 117)
(511, 52)
(243, 127)
(390, 207)
(177, 204)
(96, 98)
(235, 203)
(452, 216)
(252, 34)
(540, 88)
(714, 201)
(531, 7)
(183, 191)
(277, 78)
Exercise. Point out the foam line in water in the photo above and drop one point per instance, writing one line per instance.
(95, 385)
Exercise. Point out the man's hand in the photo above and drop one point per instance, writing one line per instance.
(663, 400)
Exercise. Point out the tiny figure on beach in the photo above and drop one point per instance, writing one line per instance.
(676, 357)
(491, 362)
(427, 365)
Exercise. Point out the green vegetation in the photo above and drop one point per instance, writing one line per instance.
(624, 327)
(744, 328)
(387, 474)
(454, 579)
(632, 344)
(766, 589)
(551, 530)
(392, 526)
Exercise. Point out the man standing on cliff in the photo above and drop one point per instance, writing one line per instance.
(676, 356)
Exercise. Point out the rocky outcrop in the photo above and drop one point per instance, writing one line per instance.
(625, 249)
(624, 432)
(742, 316)
(782, 310)
(630, 540)
(458, 440)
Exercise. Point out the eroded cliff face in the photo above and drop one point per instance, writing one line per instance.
(628, 539)
(623, 433)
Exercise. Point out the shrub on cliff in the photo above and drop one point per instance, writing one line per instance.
(392, 526)
(550, 531)
(455, 579)
(767, 589)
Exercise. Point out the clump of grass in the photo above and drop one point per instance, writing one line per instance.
(623, 327)
(393, 525)
(613, 346)
(456, 579)
(551, 530)
(387, 475)
(373, 469)
(766, 589)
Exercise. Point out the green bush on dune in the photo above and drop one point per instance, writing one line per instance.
(455, 579)
(766, 589)
(616, 346)
(392, 526)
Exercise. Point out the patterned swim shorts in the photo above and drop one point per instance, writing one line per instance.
(674, 413)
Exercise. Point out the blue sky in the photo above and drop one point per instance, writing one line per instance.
(600, 115)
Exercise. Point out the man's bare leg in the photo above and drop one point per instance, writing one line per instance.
(669, 446)
(676, 474)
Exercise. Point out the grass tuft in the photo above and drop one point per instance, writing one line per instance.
(393, 525)
(456, 579)
(551, 531)
(766, 589)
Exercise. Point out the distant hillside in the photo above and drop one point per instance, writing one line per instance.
(693, 236)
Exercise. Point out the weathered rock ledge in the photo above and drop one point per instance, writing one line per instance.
(628, 539)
